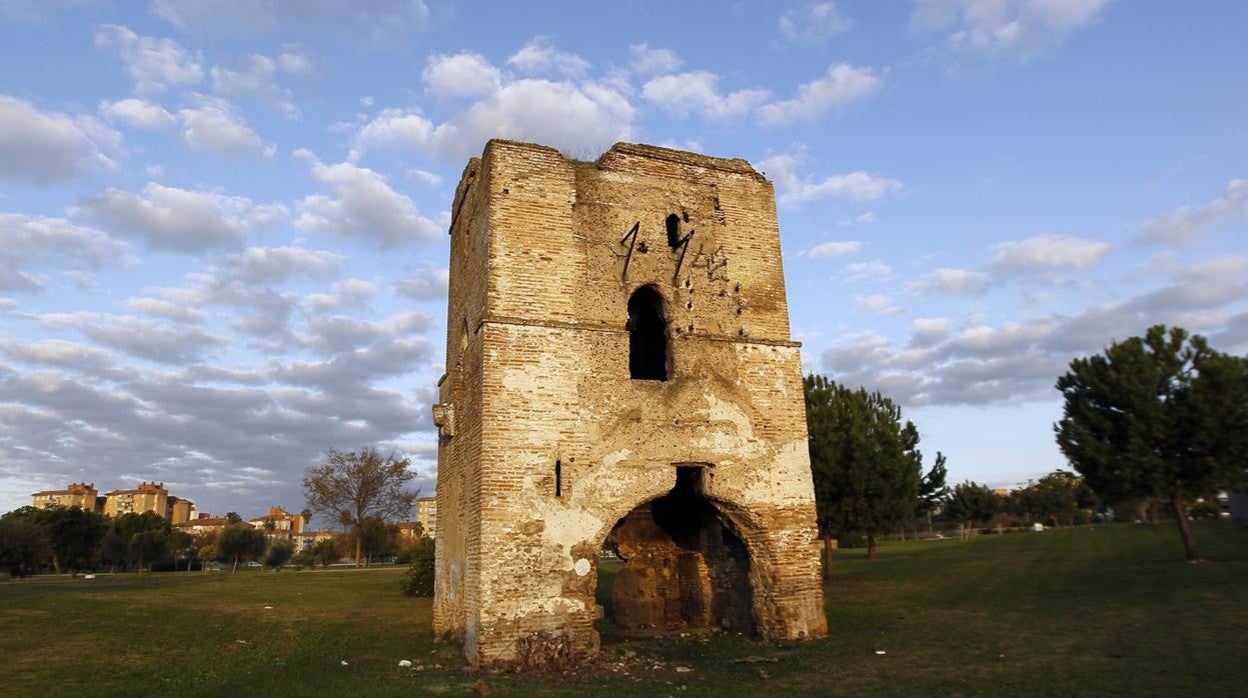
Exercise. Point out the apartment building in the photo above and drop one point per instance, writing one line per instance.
(78, 494)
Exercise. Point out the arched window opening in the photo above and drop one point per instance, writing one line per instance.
(673, 231)
(647, 336)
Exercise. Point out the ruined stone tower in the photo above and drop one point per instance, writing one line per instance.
(618, 371)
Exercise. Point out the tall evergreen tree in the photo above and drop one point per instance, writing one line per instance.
(1157, 416)
(864, 459)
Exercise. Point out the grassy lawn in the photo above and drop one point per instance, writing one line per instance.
(1110, 610)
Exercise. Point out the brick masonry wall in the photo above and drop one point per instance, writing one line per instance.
(541, 274)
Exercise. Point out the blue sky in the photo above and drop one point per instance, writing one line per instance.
(222, 222)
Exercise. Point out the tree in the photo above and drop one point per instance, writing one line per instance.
(183, 544)
(352, 487)
(240, 542)
(1157, 416)
(419, 578)
(377, 538)
(23, 544)
(206, 549)
(146, 535)
(232, 517)
(932, 488)
(972, 503)
(279, 553)
(325, 551)
(1054, 498)
(149, 546)
(864, 459)
(74, 535)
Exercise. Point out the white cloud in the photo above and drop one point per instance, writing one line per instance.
(813, 24)
(1049, 252)
(1181, 225)
(43, 148)
(841, 85)
(152, 64)
(427, 283)
(1016, 30)
(392, 128)
(539, 57)
(794, 188)
(834, 248)
(861, 219)
(214, 124)
(927, 332)
(256, 80)
(697, 92)
(295, 60)
(649, 61)
(466, 74)
(166, 309)
(875, 304)
(361, 205)
(178, 219)
(873, 269)
(54, 243)
(946, 280)
(259, 265)
(137, 113)
(348, 293)
(424, 177)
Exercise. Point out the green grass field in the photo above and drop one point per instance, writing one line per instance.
(1104, 611)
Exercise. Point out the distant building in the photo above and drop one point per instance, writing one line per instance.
(180, 510)
(427, 514)
(148, 496)
(204, 523)
(305, 541)
(283, 521)
(408, 529)
(78, 494)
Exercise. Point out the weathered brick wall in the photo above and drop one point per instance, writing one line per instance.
(541, 274)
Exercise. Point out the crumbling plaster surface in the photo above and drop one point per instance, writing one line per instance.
(542, 266)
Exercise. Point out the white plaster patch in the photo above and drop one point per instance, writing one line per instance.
(787, 482)
(612, 459)
(581, 567)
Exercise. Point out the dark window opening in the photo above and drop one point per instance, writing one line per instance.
(673, 231)
(647, 336)
(558, 478)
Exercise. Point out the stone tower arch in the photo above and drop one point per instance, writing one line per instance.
(550, 438)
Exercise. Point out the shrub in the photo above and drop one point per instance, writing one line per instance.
(419, 578)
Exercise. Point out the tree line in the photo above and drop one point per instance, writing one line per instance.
(1153, 419)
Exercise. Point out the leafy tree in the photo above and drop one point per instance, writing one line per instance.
(1157, 416)
(23, 543)
(419, 578)
(1055, 498)
(932, 487)
(206, 549)
(864, 459)
(972, 503)
(279, 553)
(146, 535)
(377, 538)
(74, 535)
(114, 550)
(232, 517)
(353, 487)
(183, 544)
(240, 542)
(326, 551)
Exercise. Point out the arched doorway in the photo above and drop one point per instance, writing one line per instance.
(684, 564)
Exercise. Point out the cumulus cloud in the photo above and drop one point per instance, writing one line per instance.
(1182, 225)
(813, 24)
(427, 283)
(44, 148)
(180, 220)
(152, 64)
(348, 294)
(1016, 30)
(1018, 361)
(1049, 253)
(137, 113)
(459, 75)
(256, 79)
(795, 188)
(214, 124)
(649, 61)
(539, 57)
(361, 204)
(139, 337)
(875, 304)
(947, 280)
(30, 242)
(257, 265)
(842, 84)
(874, 269)
(165, 309)
(834, 248)
(697, 93)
